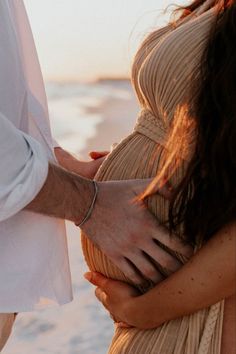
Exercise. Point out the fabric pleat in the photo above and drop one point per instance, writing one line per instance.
(162, 75)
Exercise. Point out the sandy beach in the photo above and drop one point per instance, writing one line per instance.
(119, 115)
(84, 118)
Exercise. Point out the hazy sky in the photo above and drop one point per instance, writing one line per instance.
(85, 39)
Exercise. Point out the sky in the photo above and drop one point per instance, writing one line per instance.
(82, 40)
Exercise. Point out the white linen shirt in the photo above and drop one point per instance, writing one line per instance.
(34, 266)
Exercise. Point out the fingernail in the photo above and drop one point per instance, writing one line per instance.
(123, 325)
(88, 276)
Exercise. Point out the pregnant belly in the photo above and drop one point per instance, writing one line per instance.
(139, 157)
(135, 157)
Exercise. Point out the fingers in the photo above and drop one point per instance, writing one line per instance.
(140, 185)
(163, 258)
(98, 154)
(128, 268)
(173, 242)
(97, 163)
(146, 266)
(112, 294)
(99, 280)
(165, 190)
(143, 187)
(123, 325)
(101, 296)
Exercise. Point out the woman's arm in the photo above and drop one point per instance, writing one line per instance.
(207, 278)
(86, 169)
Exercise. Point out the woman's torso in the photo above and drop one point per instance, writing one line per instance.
(162, 72)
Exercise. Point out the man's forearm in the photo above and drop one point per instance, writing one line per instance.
(64, 195)
(117, 225)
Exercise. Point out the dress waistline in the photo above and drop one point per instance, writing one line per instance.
(150, 126)
(157, 130)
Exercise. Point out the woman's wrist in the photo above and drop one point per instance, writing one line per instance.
(135, 313)
(140, 313)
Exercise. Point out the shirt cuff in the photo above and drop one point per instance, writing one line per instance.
(27, 183)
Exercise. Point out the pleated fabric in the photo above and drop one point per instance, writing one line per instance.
(163, 69)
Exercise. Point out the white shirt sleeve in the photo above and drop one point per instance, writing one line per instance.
(55, 143)
(23, 168)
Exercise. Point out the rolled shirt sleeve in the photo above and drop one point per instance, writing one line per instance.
(23, 168)
(55, 143)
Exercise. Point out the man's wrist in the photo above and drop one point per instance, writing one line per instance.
(79, 197)
(64, 195)
(90, 210)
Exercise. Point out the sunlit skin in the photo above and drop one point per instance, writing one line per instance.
(131, 309)
(86, 169)
(207, 278)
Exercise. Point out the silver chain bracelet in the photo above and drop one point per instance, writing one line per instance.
(89, 213)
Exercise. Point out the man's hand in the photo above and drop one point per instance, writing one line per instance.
(132, 250)
(123, 228)
(120, 225)
(86, 169)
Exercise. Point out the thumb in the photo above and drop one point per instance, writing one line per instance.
(98, 154)
(99, 280)
(140, 185)
(149, 185)
(162, 187)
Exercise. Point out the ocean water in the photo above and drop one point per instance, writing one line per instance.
(75, 109)
(82, 326)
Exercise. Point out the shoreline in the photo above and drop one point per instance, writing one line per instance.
(118, 120)
(69, 328)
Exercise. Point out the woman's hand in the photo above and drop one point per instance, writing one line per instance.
(205, 280)
(86, 169)
(115, 297)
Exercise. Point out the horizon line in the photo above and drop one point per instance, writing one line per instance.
(86, 81)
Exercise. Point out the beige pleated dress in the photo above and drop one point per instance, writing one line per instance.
(162, 73)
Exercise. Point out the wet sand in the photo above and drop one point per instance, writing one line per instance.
(119, 116)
